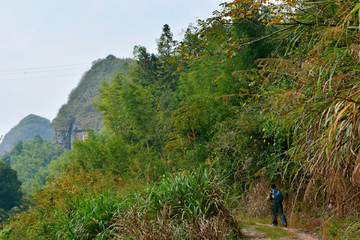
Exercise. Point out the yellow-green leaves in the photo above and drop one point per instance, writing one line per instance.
(171, 60)
(356, 8)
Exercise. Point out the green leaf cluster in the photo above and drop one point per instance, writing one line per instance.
(10, 191)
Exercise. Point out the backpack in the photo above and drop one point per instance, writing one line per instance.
(277, 196)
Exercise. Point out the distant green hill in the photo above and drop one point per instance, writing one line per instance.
(77, 114)
(27, 128)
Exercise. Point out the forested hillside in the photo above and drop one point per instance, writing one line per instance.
(25, 130)
(30, 159)
(195, 133)
(77, 114)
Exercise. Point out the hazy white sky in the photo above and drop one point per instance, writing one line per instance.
(46, 45)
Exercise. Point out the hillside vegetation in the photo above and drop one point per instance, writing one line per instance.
(195, 133)
(79, 105)
(30, 159)
(25, 130)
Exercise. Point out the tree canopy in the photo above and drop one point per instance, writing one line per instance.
(10, 191)
(28, 158)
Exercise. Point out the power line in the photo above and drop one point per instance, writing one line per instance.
(23, 69)
(19, 79)
(55, 53)
(52, 49)
(42, 71)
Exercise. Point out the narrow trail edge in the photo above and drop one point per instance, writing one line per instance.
(251, 233)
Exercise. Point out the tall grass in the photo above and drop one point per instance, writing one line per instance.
(191, 205)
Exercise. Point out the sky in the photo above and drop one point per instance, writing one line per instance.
(47, 45)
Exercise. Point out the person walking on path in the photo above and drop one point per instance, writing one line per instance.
(276, 206)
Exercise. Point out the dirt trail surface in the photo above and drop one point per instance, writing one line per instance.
(252, 234)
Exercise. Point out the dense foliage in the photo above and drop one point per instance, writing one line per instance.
(10, 192)
(30, 160)
(260, 92)
(94, 205)
(27, 128)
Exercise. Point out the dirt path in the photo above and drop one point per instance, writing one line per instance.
(252, 233)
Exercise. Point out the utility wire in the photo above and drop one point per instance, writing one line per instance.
(29, 69)
(56, 49)
(57, 70)
(18, 79)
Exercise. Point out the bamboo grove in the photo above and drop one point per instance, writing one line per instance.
(264, 91)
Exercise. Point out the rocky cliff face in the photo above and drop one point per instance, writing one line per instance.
(77, 114)
(64, 138)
